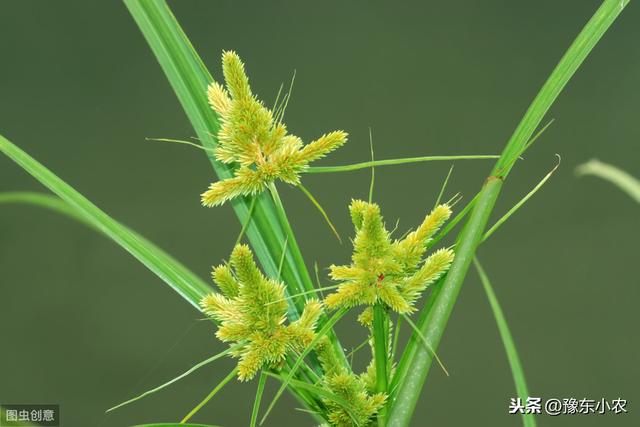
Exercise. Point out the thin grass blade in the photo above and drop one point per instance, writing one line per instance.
(183, 281)
(518, 205)
(444, 186)
(380, 335)
(215, 391)
(321, 210)
(320, 392)
(621, 179)
(507, 340)
(256, 402)
(391, 162)
(178, 378)
(46, 201)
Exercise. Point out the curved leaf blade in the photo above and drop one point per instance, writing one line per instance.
(176, 275)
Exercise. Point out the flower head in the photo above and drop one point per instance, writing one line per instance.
(356, 390)
(382, 270)
(255, 140)
(252, 309)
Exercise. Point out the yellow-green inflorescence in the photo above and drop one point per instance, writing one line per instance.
(254, 140)
(357, 390)
(394, 273)
(251, 310)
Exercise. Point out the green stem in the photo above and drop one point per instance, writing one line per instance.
(296, 255)
(328, 326)
(381, 354)
(432, 326)
(390, 162)
(451, 224)
(189, 79)
(433, 323)
(256, 403)
(304, 277)
(396, 338)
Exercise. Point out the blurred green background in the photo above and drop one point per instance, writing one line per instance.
(84, 325)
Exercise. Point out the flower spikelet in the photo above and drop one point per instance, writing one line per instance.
(251, 309)
(353, 389)
(254, 140)
(362, 405)
(381, 270)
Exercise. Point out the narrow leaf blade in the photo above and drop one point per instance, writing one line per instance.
(183, 281)
(509, 345)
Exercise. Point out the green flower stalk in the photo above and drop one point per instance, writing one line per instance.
(253, 138)
(391, 272)
(251, 309)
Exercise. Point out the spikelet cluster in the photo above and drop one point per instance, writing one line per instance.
(381, 270)
(254, 139)
(354, 389)
(251, 310)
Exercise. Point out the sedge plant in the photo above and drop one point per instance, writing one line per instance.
(276, 323)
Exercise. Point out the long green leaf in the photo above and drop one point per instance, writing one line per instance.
(268, 226)
(509, 345)
(189, 78)
(45, 201)
(183, 281)
(621, 179)
(414, 366)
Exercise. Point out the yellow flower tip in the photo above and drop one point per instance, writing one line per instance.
(223, 277)
(323, 146)
(344, 272)
(217, 306)
(249, 365)
(359, 209)
(366, 317)
(440, 260)
(208, 303)
(219, 99)
(235, 75)
(439, 215)
(310, 314)
(214, 196)
(332, 301)
(242, 257)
